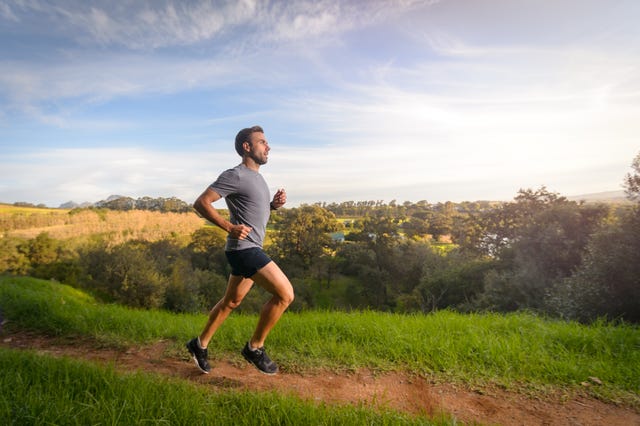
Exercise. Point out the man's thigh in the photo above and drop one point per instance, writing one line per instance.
(272, 279)
(237, 288)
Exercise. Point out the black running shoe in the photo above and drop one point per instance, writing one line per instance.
(260, 359)
(199, 355)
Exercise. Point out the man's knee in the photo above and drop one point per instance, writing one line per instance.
(286, 297)
(231, 304)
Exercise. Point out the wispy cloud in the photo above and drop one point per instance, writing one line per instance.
(112, 76)
(235, 35)
(135, 24)
(413, 99)
(151, 25)
(134, 172)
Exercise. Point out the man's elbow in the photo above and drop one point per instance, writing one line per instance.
(198, 205)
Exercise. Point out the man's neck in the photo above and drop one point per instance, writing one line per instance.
(250, 164)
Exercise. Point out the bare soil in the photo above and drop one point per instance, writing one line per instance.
(398, 391)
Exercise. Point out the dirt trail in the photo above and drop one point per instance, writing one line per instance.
(398, 391)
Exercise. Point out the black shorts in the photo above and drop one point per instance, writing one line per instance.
(247, 262)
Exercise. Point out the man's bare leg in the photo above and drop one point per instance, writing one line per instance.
(272, 279)
(237, 289)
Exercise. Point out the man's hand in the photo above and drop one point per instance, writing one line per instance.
(279, 199)
(239, 232)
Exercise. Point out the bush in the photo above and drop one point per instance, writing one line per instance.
(126, 274)
(608, 281)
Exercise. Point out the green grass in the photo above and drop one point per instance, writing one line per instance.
(60, 310)
(515, 350)
(40, 390)
(510, 350)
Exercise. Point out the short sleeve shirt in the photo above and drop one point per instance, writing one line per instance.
(247, 196)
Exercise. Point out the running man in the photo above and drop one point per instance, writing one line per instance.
(247, 197)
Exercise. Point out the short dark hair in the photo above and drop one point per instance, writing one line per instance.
(244, 135)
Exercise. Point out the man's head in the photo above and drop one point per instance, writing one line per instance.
(243, 136)
(252, 146)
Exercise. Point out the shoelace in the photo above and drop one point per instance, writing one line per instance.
(200, 352)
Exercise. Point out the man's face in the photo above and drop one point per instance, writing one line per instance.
(259, 148)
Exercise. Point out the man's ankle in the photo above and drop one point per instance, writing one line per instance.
(200, 345)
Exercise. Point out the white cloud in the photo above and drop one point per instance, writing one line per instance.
(571, 130)
(54, 176)
(7, 13)
(449, 119)
(150, 25)
(134, 24)
(244, 54)
(95, 80)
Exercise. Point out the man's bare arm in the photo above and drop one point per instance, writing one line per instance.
(203, 205)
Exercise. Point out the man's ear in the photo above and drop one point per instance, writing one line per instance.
(246, 145)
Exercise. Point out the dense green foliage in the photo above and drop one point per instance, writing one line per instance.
(513, 349)
(540, 252)
(608, 280)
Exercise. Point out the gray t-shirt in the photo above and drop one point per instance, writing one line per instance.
(247, 196)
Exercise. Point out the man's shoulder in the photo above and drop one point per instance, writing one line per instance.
(226, 181)
(234, 172)
(234, 169)
(244, 173)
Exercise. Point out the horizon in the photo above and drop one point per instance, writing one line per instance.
(378, 100)
(602, 196)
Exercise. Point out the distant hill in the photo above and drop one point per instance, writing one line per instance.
(120, 202)
(73, 204)
(602, 197)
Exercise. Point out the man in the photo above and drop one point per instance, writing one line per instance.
(247, 196)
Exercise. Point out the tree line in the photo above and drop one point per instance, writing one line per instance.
(539, 252)
(123, 203)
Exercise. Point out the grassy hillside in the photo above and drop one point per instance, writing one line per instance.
(518, 350)
(36, 389)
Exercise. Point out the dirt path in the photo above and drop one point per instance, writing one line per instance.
(398, 391)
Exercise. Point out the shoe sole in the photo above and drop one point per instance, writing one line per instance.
(252, 363)
(193, 357)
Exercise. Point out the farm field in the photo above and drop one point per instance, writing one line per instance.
(441, 368)
(78, 224)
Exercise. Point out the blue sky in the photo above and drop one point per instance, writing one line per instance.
(401, 100)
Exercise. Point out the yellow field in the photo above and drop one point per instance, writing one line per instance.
(118, 226)
(11, 209)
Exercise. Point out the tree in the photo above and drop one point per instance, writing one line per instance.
(632, 181)
(607, 284)
(380, 235)
(50, 259)
(207, 249)
(14, 256)
(182, 293)
(539, 240)
(452, 281)
(42, 250)
(415, 227)
(501, 226)
(304, 234)
(440, 224)
(126, 274)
